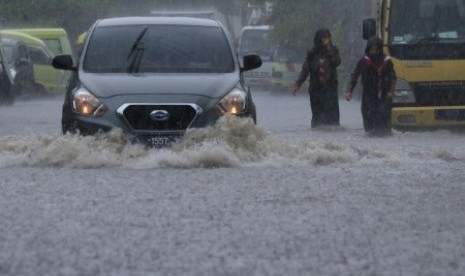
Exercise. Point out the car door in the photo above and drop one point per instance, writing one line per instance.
(24, 67)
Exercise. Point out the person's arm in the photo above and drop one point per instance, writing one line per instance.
(353, 81)
(304, 72)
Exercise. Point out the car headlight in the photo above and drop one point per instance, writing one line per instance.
(234, 102)
(403, 93)
(87, 104)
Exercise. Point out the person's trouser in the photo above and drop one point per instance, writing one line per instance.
(324, 103)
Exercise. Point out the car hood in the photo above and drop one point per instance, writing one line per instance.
(209, 85)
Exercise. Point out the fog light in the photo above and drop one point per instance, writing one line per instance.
(406, 119)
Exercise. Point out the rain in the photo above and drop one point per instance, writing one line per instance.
(268, 193)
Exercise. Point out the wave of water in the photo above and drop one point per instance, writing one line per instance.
(232, 142)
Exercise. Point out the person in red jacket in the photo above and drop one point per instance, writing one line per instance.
(320, 64)
(378, 83)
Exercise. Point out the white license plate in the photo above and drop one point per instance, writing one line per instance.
(161, 141)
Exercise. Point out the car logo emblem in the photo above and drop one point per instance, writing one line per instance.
(160, 115)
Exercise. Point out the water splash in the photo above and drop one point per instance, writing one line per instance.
(232, 142)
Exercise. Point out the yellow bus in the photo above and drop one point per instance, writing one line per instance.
(426, 40)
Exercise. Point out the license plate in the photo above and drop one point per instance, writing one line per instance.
(158, 141)
(162, 141)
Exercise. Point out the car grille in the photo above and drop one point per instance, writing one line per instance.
(139, 118)
(440, 93)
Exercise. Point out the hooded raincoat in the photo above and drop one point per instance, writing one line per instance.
(378, 80)
(320, 64)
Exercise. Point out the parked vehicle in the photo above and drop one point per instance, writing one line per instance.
(154, 78)
(426, 41)
(48, 80)
(256, 40)
(56, 39)
(20, 66)
(285, 70)
(6, 81)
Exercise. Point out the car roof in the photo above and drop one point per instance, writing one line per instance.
(41, 31)
(156, 20)
(27, 39)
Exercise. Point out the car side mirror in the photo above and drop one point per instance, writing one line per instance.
(251, 61)
(63, 62)
(369, 28)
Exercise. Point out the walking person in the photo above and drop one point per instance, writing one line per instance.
(320, 64)
(378, 83)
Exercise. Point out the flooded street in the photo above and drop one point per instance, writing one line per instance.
(235, 199)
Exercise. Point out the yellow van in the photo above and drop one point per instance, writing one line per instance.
(47, 79)
(56, 39)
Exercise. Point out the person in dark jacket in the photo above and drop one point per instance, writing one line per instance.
(320, 64)
(378, 83)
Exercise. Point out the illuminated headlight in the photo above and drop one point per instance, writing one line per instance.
(403, 93)
(87, 104)
(234, 102)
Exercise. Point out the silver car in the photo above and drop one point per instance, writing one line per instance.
(155, 77)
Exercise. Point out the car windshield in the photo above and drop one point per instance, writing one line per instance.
(158, 49)
(427, 22)
(258, 42)
(54, 45)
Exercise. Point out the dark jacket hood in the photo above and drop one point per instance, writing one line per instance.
(317, 43)
(374, 41)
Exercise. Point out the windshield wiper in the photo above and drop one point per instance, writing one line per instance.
(135, 54)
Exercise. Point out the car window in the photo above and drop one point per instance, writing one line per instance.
(54, 45)
(258, 42)
(38, 56)
(162, 48)
(22, 52)
(8, 51)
